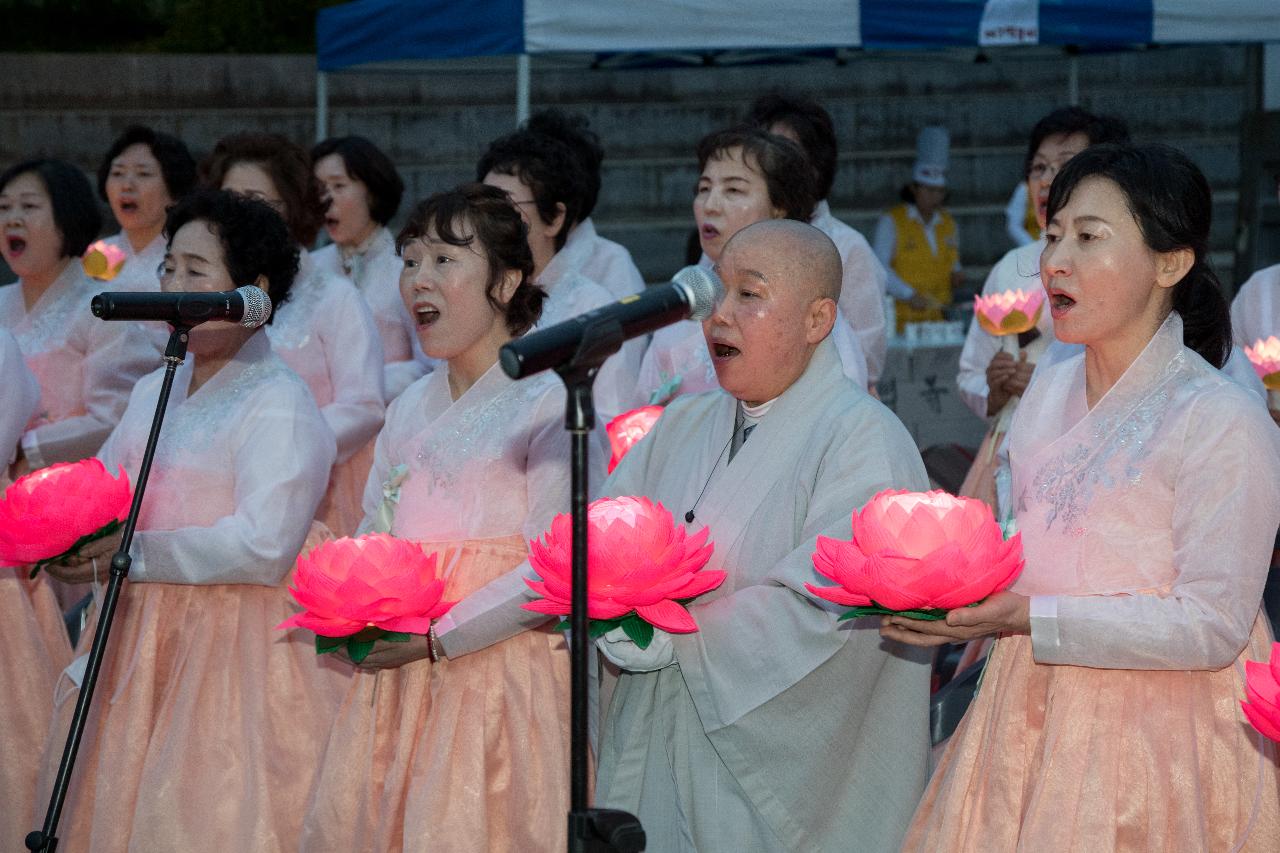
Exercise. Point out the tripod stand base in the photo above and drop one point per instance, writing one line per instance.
(605, 831)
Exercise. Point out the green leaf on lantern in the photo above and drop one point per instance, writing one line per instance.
(395, 636)
(101, 533)
(925, 615)
(324, 645)
(358, 650)
(637, 630)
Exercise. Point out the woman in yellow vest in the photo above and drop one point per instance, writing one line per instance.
(917, 241)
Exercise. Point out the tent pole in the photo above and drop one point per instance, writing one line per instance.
(522, 88)
(322, 106)
(1073, 80)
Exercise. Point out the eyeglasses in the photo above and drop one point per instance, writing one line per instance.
(1039, 171)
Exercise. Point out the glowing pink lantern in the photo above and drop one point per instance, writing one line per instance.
(1262, 685)
(642, 567)
(628, 428)
(357, 591)
(50, 514)
(918, 554)
(103, 260)
(1265, 358)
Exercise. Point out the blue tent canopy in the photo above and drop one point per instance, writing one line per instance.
(369, 31)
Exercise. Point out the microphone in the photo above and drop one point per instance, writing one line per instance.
(692, 294)
(249, 306)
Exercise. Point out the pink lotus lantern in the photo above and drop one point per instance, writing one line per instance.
(628, 428)
(919, 555)
(1265, 358)
(642, 568)
(357, 591)
(1262, 685)
(49, 515)
(103, 260)
(1009, 313)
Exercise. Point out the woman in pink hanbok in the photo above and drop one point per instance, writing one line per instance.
(467, 755)
(746, 175)
(142, 174)
(1147, 491)
(35, 641)
(207, 723)
(363, 192)
(325, 331)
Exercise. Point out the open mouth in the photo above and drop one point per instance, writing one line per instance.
(1060, 302)
(709, 232)
(425, 315)
(128, 207)
(724, 351)
(16, 245)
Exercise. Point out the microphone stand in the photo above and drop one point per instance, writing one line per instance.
(590, 830)
(45, 840)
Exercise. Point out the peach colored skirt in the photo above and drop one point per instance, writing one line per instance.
(1067, 758)
(465, 755)
(207, 725)
(980, 481)
(340, 508)
(36, 650)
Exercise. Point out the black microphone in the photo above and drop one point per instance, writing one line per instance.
(249, 306)
(691, 294)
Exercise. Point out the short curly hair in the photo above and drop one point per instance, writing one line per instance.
(497, 226)
(811, 124)
(366, 162)
(788, 175)
(290, 169)
(177, 166)
(551, 169)
(75, 213)
(255, 241)
(574, 130)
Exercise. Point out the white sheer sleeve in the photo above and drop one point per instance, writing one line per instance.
(116, 355)
(886, 239)
(862, 300)
(282, 461)
(1015, 214)
(353, 353)
(1226, 511)
(21, 396)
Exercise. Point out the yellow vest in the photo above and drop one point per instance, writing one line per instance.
(1029, 221)
(917, 264)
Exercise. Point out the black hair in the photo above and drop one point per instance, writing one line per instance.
(177, 166)
(788, 176)
(1170, 200)
(574, 131)
(366, 162)
(503, 239)
(255, 241)
(289, 167)
(1066, 121)
(810, 123)
(75, 212)
(548, 166)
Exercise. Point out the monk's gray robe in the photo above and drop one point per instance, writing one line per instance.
(777, 728)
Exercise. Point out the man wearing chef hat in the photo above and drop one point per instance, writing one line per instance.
(916, 240)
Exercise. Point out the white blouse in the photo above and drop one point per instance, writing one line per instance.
(325, 333)
(376, 274)
(86, 367)
(239, 471)
(21, 396)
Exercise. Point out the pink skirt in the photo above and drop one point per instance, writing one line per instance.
(207, 726)
(465, 755)
(1064, 758)
(36, 650)
(340, 508)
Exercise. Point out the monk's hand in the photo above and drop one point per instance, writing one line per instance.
(622, 650)
(80, 568)
(389, 655)
(1003, 613)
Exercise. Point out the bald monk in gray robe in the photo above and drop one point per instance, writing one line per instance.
(773, 727)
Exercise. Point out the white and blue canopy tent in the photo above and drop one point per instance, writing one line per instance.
(396, 34)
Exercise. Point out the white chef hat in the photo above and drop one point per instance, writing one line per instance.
(933, 152)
